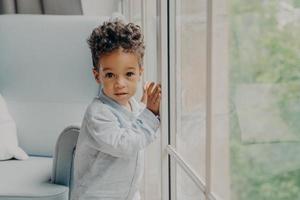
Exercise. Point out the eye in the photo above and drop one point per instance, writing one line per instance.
(129, 74)
(109, 75)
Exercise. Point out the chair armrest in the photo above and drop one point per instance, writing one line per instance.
(62, 170)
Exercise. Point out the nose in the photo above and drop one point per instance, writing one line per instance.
(120, 82)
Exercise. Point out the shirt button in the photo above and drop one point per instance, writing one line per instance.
(139, 121)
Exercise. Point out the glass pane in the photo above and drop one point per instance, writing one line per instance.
(220, 170)
(186, 189)
(191, 70)
(264, 90)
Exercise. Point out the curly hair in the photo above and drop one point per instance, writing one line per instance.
(112, 35)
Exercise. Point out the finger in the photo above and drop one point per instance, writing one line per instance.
(150, 88)
(159, 98)
(156, 98)
(159, 87)
(146, 85)
(145, 91)
(157, 102)
(156, 89)
(144, 98)
(153, 96)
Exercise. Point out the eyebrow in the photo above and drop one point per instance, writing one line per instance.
(131, 68)
(107, 68)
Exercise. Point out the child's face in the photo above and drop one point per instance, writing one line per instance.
(119, 73)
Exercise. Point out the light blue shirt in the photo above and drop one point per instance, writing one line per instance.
(109, 154)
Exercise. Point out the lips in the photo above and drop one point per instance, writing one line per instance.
(121, 93)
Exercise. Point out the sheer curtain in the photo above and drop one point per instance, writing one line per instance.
(55, 7)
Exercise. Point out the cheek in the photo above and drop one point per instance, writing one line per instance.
(134, 84)
(105, 83)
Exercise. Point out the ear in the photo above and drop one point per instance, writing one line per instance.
(97, 75)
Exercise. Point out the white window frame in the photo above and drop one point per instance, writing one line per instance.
(167, 56)
(172, 86)
(175, 112)
(162, 64)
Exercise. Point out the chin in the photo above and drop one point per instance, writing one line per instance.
(121, 100)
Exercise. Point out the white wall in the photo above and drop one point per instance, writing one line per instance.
(100, 7)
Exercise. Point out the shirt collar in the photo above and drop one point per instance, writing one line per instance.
(135, 106)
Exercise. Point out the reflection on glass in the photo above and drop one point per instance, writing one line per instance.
(265, 93)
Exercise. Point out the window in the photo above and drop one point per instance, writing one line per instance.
(265, 99)
(187, 46)
(199, 93)
(233, 105)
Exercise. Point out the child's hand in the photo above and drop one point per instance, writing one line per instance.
(144, 97)
(153, 97)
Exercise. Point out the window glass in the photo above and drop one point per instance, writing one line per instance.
(191, 82)
(265, 99)
(220, 156)
(186, 189)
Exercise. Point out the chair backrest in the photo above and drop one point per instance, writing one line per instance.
(46, 75)
(62, 170)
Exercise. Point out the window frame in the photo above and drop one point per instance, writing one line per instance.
(173, 97)
(167, 55)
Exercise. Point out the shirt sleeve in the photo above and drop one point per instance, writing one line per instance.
(118, 141)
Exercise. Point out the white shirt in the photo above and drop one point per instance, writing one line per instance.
(109, 156)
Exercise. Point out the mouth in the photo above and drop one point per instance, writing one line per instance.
(121, 93)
